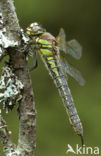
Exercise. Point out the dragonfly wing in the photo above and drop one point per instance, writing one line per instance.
(71, 47)
(74, 49)
(73, 72)
(61, 40)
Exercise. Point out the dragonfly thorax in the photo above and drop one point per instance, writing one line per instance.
(45, 44)
(35, 29)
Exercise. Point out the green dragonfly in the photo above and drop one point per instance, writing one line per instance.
(50, 50)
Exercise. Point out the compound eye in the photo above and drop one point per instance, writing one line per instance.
(34, 24)
(36, 28)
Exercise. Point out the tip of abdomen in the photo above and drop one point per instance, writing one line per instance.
(82, 140)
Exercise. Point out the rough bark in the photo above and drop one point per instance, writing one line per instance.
(27, 113)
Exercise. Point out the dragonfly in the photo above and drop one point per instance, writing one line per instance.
(50, 49)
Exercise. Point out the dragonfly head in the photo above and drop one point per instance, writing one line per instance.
(35, 29)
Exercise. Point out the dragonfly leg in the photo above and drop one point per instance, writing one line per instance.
(20, 32)
(35, 63)
(23, 49)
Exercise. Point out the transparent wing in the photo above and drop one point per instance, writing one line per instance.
(73, 72)
(61, 40)
(71, 47)
(74, 49)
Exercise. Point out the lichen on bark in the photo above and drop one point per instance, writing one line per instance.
(10, 40)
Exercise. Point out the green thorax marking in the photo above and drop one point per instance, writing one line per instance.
(46, 44)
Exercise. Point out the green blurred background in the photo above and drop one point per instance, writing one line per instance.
(81, 20)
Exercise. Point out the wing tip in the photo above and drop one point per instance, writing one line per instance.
(83, 82)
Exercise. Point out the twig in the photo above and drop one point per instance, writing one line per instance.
(8, 146)
(27, 113)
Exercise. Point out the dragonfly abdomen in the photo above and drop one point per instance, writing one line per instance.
(58, 76)
(69, 105)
